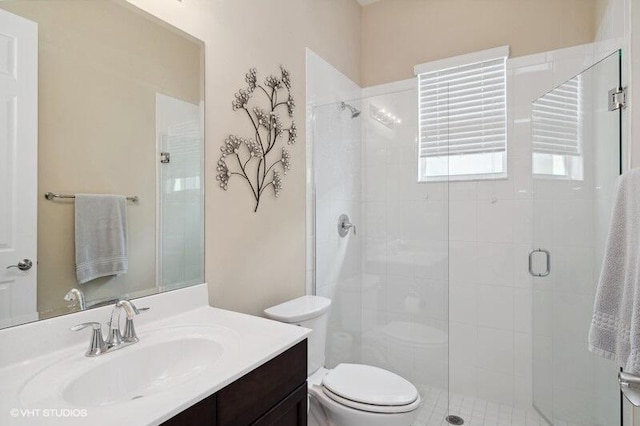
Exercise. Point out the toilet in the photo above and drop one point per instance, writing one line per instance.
(349, 394)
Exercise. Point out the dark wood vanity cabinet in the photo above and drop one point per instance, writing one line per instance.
(274, 394)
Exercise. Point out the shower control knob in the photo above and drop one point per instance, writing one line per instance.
(344, 225)
(23, 265)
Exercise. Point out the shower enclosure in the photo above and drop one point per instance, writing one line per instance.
(479, 292)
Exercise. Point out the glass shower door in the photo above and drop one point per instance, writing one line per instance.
(575, 159)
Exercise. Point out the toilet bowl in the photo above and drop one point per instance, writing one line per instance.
(349, 394)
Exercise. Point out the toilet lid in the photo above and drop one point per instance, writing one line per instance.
(365, 384)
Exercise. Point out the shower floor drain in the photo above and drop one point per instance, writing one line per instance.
(454, 420)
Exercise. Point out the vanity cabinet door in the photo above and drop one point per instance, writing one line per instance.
(292, 411)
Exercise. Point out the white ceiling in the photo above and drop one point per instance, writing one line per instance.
(366, 2)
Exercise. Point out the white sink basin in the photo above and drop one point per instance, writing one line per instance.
(142, 372)
(161, 361)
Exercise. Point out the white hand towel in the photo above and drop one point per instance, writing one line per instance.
(615, 326)
(101, 236)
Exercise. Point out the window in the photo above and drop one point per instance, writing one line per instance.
(462, 116)
(557, 132)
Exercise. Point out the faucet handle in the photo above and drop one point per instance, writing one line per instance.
(97, 344)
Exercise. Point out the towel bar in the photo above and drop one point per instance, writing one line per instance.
(51, 196)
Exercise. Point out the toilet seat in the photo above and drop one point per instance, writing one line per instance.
(371, 389)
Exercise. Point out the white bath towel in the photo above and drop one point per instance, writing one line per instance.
(615, 326)
(101, 236)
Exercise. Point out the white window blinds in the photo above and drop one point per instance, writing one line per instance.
(463, 105)
(556, 120)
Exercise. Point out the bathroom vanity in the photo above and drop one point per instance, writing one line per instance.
(193, 365)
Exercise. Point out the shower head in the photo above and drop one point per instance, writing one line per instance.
(354, 111)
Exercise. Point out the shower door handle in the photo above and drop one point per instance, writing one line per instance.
(548, 263)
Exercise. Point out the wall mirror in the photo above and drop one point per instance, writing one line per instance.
(96, 97)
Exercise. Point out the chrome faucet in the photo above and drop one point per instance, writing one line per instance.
(115, 339)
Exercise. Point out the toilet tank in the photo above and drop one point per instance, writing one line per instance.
(310, 312)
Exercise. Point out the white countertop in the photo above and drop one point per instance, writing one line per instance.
(257, 340)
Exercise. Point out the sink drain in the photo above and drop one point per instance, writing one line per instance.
(454, 420)
(140, 396)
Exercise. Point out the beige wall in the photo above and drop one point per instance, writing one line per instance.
(398, 34)
(254, 260)
(100, 66)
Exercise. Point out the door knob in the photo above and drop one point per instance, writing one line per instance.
(23, 265)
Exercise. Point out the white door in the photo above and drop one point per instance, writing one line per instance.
(18, 168)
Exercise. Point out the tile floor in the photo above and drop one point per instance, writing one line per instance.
(474, 411)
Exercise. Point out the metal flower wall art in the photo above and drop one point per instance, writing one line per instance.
(262, 158)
